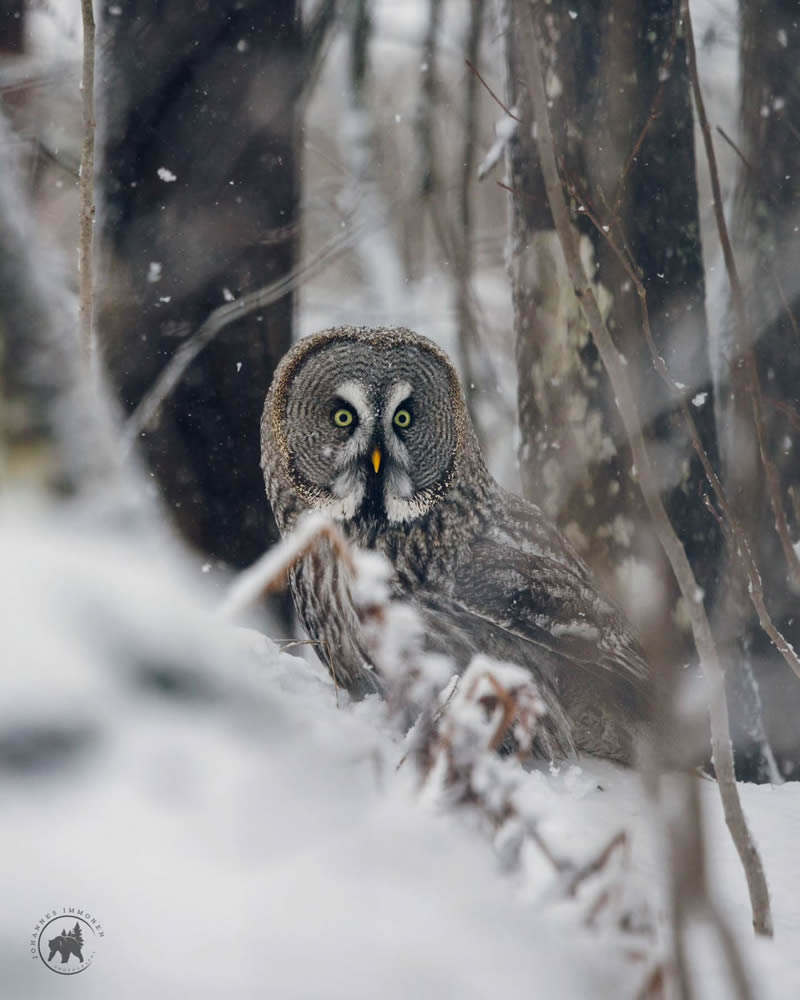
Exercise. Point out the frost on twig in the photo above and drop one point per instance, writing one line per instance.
(497, 706)
(466, 739)
(391, 634)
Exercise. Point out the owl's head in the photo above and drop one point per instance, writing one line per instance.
(366, 423)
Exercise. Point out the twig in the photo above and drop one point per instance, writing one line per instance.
(748, 357)
(654, 112)
(785, 303)
(654, 985)
(734, 147)
(147, 408)
(595, 864)
(491, 93)
(87, 181)
(629, 411)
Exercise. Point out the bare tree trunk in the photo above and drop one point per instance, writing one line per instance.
(623, 124)
(12, 27)
(12, 44)
(765, 217)
(199, 194)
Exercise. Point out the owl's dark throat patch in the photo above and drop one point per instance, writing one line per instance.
(373, 509)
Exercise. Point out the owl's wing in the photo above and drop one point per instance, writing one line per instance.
(540, 591)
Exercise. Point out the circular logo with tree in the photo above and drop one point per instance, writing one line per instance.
(66, 942)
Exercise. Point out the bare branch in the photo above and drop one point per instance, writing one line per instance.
(734, 147)
(654, 112)
(509, 111)
(628, 408)
(147, 409)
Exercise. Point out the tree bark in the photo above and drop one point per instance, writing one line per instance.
(621, 112)
(764, 235)
(12, 27)
(198, 191)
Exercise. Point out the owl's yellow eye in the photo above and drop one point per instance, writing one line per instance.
(402, 419)
(343, 417)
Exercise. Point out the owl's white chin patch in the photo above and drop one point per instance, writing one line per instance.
(348, 487)
(399, 510)
(341, 510)
(398, 497)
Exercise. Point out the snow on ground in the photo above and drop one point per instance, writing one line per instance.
(238, 833)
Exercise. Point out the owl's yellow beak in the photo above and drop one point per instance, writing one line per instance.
(376, 460)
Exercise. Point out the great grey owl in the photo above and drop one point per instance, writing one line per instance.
(370, 426)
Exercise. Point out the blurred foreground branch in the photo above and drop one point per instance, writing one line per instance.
(53, 435)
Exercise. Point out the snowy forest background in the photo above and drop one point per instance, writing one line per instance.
(263, 170)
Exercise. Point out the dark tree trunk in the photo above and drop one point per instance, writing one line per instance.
(609, 77)
(765, 230)
(198, 190)
(13, 99)
(12, 27)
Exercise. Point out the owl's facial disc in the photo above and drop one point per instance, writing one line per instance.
(371, 432)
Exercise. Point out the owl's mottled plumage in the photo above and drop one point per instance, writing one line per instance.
(484, 569)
